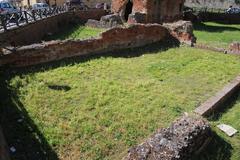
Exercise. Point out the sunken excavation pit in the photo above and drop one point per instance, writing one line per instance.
(148, 22)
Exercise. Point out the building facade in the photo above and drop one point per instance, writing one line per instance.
(27, 3)
(149, 11)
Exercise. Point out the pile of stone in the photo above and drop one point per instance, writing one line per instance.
(108, 21)
(185, 137)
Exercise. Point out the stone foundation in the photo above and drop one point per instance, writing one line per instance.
(113, 39)
(184, 138)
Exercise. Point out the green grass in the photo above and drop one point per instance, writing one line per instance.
(224, 147)
(76, 32)
(216, 35)
(98, 108)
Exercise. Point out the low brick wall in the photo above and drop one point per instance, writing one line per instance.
(35, 32)
(113, 39)
(184, 138)
(217, 102)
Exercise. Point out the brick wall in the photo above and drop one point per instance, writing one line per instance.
(113, 39)
(151, 11)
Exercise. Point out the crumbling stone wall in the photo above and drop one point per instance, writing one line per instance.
(113, 39)
(183, 31)
(150, 11)
(108, 21)
(185, 137)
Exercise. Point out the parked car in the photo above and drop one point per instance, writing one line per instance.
(40, 6)
(7, 8)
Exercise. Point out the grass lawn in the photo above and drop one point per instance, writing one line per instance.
(216, 35)
(224, 147)
(76, 32)
(98, 108)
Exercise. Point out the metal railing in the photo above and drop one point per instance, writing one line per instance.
(18, 19)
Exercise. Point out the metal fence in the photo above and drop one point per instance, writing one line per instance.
(18, 19)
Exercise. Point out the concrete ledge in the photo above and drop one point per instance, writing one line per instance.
(4, 155)
(216, 102)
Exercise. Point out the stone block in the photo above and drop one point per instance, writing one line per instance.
(229, 130)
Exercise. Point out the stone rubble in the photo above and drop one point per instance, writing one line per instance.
(185, 137)
(108, 21)
(183, 31)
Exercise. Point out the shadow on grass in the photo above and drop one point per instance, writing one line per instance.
(210, 28)
(59, 87)
(19, 129)
(218, 149)
(125, 53)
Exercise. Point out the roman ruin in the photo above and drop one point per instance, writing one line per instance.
(148, 11)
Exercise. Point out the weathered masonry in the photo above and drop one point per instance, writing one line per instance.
(148, 11)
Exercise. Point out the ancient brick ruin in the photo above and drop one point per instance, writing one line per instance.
(148, 11)
(184, 138)
(114, 39)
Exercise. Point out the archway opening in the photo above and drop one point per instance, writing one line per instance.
(128, 10)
